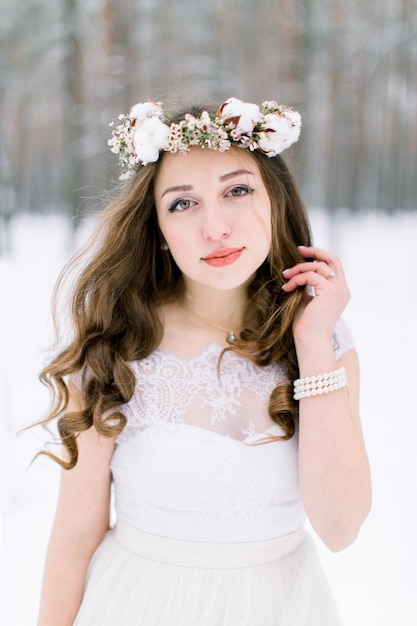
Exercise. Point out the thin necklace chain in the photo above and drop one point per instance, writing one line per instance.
(230, 334)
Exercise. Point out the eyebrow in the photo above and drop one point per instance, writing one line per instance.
(236, 173)
(222, 179)
(178, 188)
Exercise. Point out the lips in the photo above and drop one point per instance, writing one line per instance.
(223, 257)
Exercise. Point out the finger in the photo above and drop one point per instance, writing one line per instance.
(319, 267)
(319, 255)
(333, 262)
(302, 279)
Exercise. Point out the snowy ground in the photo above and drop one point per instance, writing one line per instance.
(375, 580)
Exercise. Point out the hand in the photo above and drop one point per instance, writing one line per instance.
(318, 314)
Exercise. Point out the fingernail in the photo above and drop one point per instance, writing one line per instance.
(285, 270)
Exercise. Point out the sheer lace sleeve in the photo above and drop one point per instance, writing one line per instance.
(79, 379)
(342, 339)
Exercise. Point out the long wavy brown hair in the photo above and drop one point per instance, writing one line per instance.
(124, 279)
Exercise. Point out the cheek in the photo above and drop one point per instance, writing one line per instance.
(263, 223)
(178, 243)
(169, 233)
(268, 227)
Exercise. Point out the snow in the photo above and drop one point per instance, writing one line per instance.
(375, 580)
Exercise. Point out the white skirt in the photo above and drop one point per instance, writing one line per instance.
(139, 579)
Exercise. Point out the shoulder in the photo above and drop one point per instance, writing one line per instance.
(92, 446)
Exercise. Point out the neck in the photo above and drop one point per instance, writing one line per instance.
(223, 308)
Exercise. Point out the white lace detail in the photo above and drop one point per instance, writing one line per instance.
(232, 401)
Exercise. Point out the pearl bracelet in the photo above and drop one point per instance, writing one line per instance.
(322, 383)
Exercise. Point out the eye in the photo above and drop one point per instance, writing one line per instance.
(240, 190)
(182, 204)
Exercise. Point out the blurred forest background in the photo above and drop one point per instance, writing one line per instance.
(69, 66)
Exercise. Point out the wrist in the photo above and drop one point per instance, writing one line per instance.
(306, 348)
(314, 338)
(315, 356)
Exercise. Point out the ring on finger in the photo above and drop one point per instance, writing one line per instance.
(331, 274)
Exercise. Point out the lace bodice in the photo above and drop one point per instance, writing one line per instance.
(231, 400)
(189, 464)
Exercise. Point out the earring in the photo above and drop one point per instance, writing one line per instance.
(164, 247)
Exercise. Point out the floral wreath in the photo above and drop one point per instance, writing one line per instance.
(140, 137)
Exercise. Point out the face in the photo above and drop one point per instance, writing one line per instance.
(215, 214)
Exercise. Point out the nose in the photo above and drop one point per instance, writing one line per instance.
(215, 226)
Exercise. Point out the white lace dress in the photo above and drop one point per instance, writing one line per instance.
(209, 520)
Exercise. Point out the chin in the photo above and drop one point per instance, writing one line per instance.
(227, 283)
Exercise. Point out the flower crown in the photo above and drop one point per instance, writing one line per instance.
(139, 137)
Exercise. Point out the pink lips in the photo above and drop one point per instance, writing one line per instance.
(223, 257)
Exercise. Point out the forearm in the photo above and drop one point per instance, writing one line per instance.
(63, 586)
(333, 465)
(81, 521)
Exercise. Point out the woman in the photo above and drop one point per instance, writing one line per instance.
(210, 379)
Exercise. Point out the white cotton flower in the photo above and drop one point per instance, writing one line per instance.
(248, 114)
(281, 131)
(150, 137)
(295, 119)
(142, 110)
